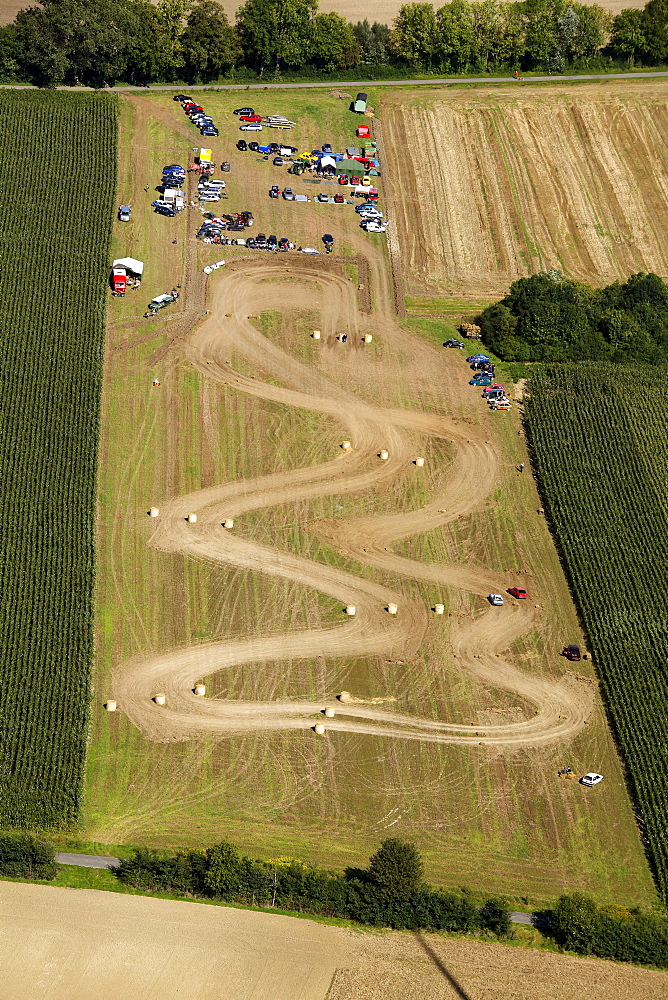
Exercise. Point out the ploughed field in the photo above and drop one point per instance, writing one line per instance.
(497, 184)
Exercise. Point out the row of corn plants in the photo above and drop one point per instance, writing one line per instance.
(599, 437)
(59, 152)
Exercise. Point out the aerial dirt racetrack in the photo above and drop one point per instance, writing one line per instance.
(561, 707)
(506, 182)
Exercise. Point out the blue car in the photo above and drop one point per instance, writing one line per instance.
(477, 357)
(480, 380)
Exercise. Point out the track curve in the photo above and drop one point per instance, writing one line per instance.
(560, 707)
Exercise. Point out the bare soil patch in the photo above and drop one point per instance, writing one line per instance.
(501, 183)
(78, 944)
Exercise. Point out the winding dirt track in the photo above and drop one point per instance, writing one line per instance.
(561, 707)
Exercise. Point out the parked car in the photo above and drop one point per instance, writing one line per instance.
(480, 380)
(367, 206)
(477, 357)
(323, 196)
(250, 118)
(274, 191)
(502, 404)
(453, 343)
(288, 194)
(189, 108)
(254, 147)
(250, 128)
(210, 131)
(242, 145)
(277, 161)
(244, 111)
(339, 199)
(124, 213)
(518, 592)
(283, 244)
(372, 226)
(496, 600)
(326, 148)
(571, 653)
(225, 166)
(272, 241)
(590, 779)
(182, 98)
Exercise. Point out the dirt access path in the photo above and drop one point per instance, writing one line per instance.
(561, 706)
(78, 944)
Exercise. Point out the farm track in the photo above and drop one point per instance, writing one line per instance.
(561, 707)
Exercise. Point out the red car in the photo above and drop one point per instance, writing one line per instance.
(354, 179)
(518, 592)
(256, 119)
(571, 652)
(343, 178)
(363, 132)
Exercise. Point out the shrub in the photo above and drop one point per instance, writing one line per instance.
(26, 857)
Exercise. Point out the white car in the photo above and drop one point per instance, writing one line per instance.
(496, 600)
(308, 250)
(373, 227)
(213, 267)
(590, 779)
(250, 127)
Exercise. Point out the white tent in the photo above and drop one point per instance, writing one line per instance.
(130, 264)
(327, 161)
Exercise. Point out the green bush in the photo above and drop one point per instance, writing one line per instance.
(578, 924)
(26, 857)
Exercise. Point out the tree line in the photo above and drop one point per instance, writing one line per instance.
(548, 317)
(390, 892)
(103, 42)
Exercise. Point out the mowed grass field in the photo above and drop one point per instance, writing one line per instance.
(484, 818)
(500, 183)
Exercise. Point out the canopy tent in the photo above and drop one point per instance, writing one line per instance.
(130, 264)
(327, 163)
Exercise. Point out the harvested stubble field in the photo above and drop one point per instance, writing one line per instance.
(63, 944)
(501, 183)
(247, 423)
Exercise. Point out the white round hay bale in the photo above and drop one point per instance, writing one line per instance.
(199, 690)
(439, 609)
(160, 699)
(319, 728)
(346, 445)
(329, 712)
(419, 462)
(110, 705)
(154, 511)
(350, 609)
(316, 334)
(344, 697)
(192, 518)
(229, 523)
(392, 609)
(383, 455)
(367, 338)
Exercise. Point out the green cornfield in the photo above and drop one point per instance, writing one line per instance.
(599, 437)
(59, 178)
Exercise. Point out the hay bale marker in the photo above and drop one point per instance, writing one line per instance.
(316, 335)
(439, 609)
(367, 338)
(110, 705)
(154, 511)
(344, 697)
(229, 523)
(192, 518)
(199, 690)
(160, 699)
(419, 462)
(346, 445)
(319, 728)
(350, 609)
(383, 455)
(392, 609)
(329, 712)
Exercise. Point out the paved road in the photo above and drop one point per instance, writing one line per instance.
(95, 861)
(369, 84)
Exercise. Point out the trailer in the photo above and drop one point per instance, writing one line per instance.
(125, 271)
(359, 104)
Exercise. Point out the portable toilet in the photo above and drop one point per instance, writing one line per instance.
(359, 104)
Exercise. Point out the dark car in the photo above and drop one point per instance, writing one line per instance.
(183, 98)
(277, 161)
(210, 131)
(254, 147)
(272, 241)
(571, 653)
(274, 191)
(452, 343)
(242, 145)
(274, 147)
(244, 111)
(283, 243)
(236, 227)
(225, 166)
(327, 148)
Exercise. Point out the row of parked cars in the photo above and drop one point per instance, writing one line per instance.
(197, 115)
(253, 122)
